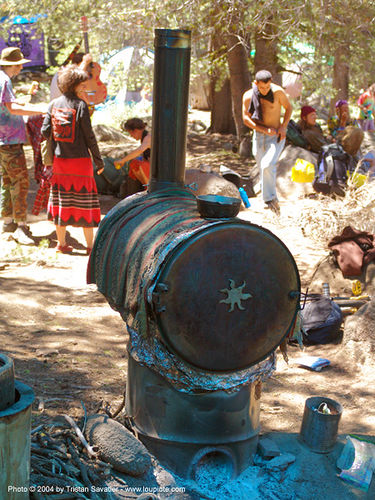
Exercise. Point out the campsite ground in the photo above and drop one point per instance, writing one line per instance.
(70, 346)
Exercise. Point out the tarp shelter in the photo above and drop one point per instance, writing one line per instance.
(123, 59)
(23, 34)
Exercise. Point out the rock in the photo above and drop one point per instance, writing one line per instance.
(105, 133)
(359, 330)
(286, 188)
(327, 271)
(117, 446)
(245, 149)
(209, 183)
(268, 448)
(280, 463)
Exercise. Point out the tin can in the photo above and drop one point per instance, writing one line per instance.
(326, 291)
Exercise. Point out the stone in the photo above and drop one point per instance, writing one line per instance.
(209, 183)
(280, 463)
(268, 448)
(245, 149)
(286, 188)
(105, 133)
(117, 446)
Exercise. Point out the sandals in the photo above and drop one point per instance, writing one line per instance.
(64, 249)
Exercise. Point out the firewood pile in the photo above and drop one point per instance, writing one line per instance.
(65, 466)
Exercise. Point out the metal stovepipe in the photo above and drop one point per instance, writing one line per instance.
(170, 108)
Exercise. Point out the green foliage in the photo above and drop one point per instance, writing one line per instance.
(325, 25)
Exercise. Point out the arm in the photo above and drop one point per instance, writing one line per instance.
(46, 129)
(146, 143)
(86, 61)
(285, 103)
(246, 117)
(90, 140)
(24, 109)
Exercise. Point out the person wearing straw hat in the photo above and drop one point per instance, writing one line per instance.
(15, 179)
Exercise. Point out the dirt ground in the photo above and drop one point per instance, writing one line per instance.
(70, 346)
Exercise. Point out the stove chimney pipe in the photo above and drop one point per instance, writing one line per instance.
(170, 107)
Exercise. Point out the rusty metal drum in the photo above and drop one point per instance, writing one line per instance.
(221, 293)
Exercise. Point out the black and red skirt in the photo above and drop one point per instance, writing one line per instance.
(73, 198)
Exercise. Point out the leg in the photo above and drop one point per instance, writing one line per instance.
(61, 232)
(16, 182)
(89, 236)
(268, 167)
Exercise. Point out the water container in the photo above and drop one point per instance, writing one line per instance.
(244, 197)
(319, 430)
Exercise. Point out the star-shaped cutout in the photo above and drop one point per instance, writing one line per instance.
(235, 295)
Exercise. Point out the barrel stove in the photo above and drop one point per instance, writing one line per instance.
(206, 297)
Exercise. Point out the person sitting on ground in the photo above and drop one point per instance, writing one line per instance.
(311, 131)
(341, 120)
(139, 158)
(366, 104)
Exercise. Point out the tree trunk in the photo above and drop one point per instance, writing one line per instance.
(266, 53)
(221, 109)
(340, 75)
(239, 79)
(220, 101)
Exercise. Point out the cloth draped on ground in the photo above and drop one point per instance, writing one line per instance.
(73, 200)
(353, 249)
(33, 127)
(42, 174)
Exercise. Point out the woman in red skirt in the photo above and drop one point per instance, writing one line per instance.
(73, 200)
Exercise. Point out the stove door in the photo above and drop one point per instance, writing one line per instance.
(227, 296)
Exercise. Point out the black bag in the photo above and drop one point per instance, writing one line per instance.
(333, 164)
(294, 135)
(321, 320)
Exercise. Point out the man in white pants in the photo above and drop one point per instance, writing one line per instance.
(261, 111)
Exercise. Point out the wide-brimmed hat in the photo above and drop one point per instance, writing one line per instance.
(11, 56)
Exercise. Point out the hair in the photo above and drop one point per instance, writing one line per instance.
(372, 88)
(263, 76)
(133, 124)
(77, 58)
(69, 78)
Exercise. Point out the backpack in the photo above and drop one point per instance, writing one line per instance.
(321, 320)
(331, 172)
(110, 180)
(294, 135)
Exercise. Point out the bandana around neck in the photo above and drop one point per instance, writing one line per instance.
(255, 109)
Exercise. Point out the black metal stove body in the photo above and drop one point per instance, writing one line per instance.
(206, 301)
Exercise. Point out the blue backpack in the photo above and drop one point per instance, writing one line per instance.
(321, 320)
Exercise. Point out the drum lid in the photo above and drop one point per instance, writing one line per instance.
(227, 296)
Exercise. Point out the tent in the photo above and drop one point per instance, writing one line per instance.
(23, 34)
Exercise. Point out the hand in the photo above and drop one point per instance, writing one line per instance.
(100, 171)
(86, 60)
(118, 164)
(281, 131)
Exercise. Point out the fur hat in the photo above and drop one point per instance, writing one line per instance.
(11, 56)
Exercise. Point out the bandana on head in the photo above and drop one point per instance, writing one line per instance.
(306, 110)
(340, 103)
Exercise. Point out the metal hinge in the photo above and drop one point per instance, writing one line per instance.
(156, 297)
